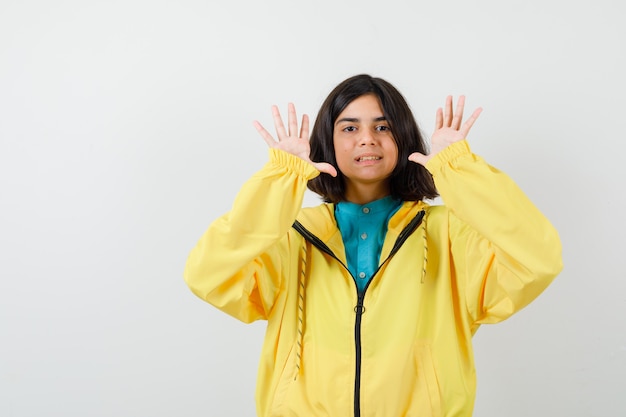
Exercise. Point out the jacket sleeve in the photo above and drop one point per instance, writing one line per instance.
(504, 251)
(237, 265)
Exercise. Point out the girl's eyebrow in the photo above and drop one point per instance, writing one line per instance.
(356, 120)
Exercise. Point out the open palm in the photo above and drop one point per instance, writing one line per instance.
(291, 140)
(448, 129)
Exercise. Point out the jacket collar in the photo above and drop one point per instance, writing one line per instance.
(320, 221)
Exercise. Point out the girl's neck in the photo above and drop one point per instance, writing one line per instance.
(365, 193)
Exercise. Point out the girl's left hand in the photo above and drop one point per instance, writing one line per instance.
(448, 129)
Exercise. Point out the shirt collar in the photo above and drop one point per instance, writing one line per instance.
(383, 205)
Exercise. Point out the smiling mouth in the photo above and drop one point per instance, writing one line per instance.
(369, 158)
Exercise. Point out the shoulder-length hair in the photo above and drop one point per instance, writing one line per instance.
(408, 181)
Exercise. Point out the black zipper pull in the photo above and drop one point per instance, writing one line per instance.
(359, 309)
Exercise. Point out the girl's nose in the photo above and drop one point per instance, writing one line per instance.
(366, 138)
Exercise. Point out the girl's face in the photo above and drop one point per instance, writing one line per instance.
(365, 149)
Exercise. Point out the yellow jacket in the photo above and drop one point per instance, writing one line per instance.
(405, 348)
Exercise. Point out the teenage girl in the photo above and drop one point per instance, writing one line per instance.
(372, 298)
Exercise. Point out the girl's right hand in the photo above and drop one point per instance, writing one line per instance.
(292, 141)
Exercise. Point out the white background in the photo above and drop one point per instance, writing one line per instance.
(125, 129)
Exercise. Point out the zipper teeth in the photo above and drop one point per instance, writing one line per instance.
(357, 343)
(359, 309)
(317, 242)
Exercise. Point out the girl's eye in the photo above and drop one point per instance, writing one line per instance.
(349, 129)
(382, 128)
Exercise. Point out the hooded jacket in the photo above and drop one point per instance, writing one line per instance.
(404, 346)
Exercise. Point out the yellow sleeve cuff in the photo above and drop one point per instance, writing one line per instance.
(449, 154)
(292, 163)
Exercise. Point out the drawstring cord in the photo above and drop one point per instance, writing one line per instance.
(425, 264)
(300, 322)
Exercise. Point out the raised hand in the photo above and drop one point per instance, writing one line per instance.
(292, 141)
(448, 129)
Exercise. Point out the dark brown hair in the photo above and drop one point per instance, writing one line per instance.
(408, 181)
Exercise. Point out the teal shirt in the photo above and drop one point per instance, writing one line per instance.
(363, 229)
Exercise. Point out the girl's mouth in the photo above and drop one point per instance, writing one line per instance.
(368, 158)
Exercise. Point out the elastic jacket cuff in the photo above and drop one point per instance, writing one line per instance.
(446, 156)
(292, 163)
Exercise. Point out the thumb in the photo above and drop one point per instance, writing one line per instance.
(419, 158)
(326, 167)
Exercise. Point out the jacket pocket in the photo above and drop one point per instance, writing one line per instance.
(427, 387)
(286, 379)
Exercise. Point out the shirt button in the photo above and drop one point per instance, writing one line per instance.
(363, 236)
(366, 210)
(361, 274)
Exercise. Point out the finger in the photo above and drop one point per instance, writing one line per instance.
(278, 123)
(292, 120)
(458, 114)
(264, 134)
(419, 158)
(304, 129)
(439, 119)
(447, 115)
(470, 122)
(325, 167)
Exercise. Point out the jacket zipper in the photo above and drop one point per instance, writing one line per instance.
(359, 309)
